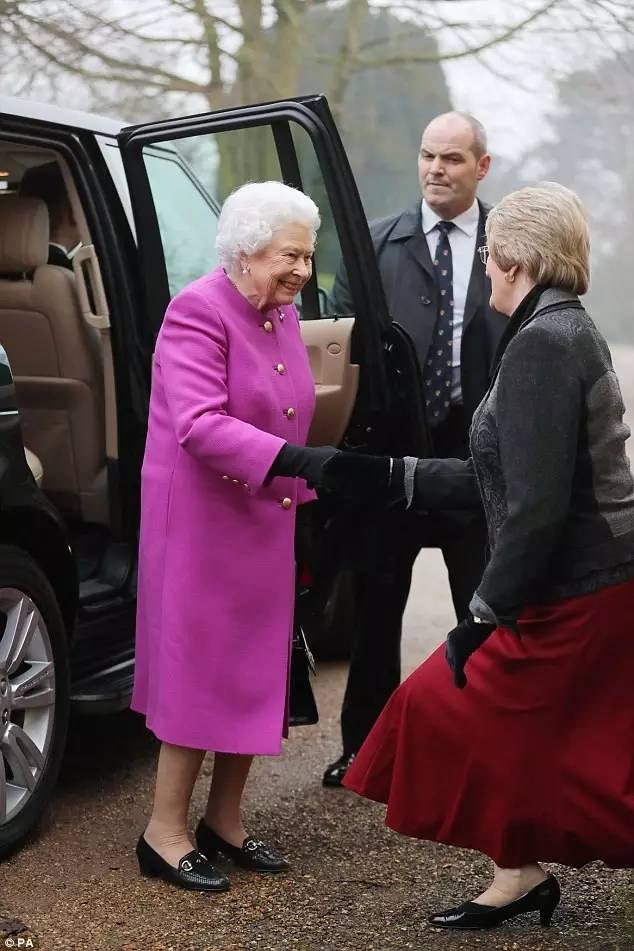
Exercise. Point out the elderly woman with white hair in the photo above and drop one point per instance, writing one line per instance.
(231, 386)
(531, 760)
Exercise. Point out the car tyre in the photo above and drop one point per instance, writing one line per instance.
(34, 695)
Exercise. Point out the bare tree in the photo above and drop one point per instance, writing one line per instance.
(152, 59)
(222, 51)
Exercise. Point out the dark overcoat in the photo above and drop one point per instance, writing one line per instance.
(407, 274)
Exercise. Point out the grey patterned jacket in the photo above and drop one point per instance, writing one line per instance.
(548, 464)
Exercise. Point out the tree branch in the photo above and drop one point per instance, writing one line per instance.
(365, 63)
(119, 29)
(177, 84)
(77, 45)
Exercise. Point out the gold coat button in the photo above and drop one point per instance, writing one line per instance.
(268, 326)
(286, 503)
(281, 369)
(236, 481)
(226, 478)
(289, 413)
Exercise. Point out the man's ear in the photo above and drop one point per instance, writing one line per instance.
(484, 163)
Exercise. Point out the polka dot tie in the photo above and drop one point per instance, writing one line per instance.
(437, 372)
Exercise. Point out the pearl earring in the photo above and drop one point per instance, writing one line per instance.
(245, 269)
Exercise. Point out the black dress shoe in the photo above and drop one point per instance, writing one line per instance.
(194, 871)
(253, 854)
(544, 898)
(337, 770)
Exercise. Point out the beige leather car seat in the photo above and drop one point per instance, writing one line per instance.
(56, 363)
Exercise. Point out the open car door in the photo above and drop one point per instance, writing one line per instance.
(363, 366)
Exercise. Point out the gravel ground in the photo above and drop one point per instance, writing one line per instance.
(355, 886)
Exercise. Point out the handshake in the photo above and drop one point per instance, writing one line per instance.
(351, 476)
(381, 479)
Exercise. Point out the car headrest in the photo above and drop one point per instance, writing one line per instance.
(23, 234)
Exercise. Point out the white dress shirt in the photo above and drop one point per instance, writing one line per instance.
(462, 240)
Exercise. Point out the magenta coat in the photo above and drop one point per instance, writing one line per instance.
(230, 385)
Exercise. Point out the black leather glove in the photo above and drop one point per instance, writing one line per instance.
(304, 461)
(462, 642)
(364, 479)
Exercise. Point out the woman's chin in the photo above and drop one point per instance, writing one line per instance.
(500, 308)
(283, 298)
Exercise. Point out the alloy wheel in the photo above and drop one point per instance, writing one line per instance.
(27, 700)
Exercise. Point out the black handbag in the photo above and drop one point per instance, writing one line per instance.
(302, 709)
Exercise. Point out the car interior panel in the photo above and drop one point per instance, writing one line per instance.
(55, 345)
(56, 363)
(329, 343)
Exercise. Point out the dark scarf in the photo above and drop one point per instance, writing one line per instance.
(523, 310)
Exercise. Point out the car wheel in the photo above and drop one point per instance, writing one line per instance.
(34, 694)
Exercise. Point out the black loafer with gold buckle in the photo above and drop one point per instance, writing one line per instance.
(194, 871)
(252, 855)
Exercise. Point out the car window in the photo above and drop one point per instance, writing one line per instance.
(187, 217)
(221, 162)
(328, 256)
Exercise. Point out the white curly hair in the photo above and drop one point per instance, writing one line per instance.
(252, 213)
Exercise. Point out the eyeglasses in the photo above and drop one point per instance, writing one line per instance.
(484, 253)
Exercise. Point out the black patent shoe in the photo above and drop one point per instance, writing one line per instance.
(194, 871)
(252, 855)
(337, 770)
(544, 898)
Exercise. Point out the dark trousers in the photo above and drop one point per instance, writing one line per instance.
(382, 588)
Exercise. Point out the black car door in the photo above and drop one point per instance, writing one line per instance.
(366, 378)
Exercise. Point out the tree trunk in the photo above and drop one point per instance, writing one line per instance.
(343, 65)
(267, 68)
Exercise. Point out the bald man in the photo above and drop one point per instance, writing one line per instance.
(436, 288)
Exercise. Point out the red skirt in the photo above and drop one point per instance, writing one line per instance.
(534, 760)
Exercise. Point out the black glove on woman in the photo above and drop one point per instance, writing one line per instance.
(349, 475)
(364, 479)
(304, 461)
(462, 642)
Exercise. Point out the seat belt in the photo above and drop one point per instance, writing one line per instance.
(100, 321)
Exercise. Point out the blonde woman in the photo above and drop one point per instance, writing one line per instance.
(531, 760)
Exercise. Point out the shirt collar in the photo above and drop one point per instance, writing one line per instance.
(467, 221)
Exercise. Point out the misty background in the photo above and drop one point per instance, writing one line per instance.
(552, 81)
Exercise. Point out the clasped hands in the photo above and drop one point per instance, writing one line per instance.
(365, 479)
(356, 477)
